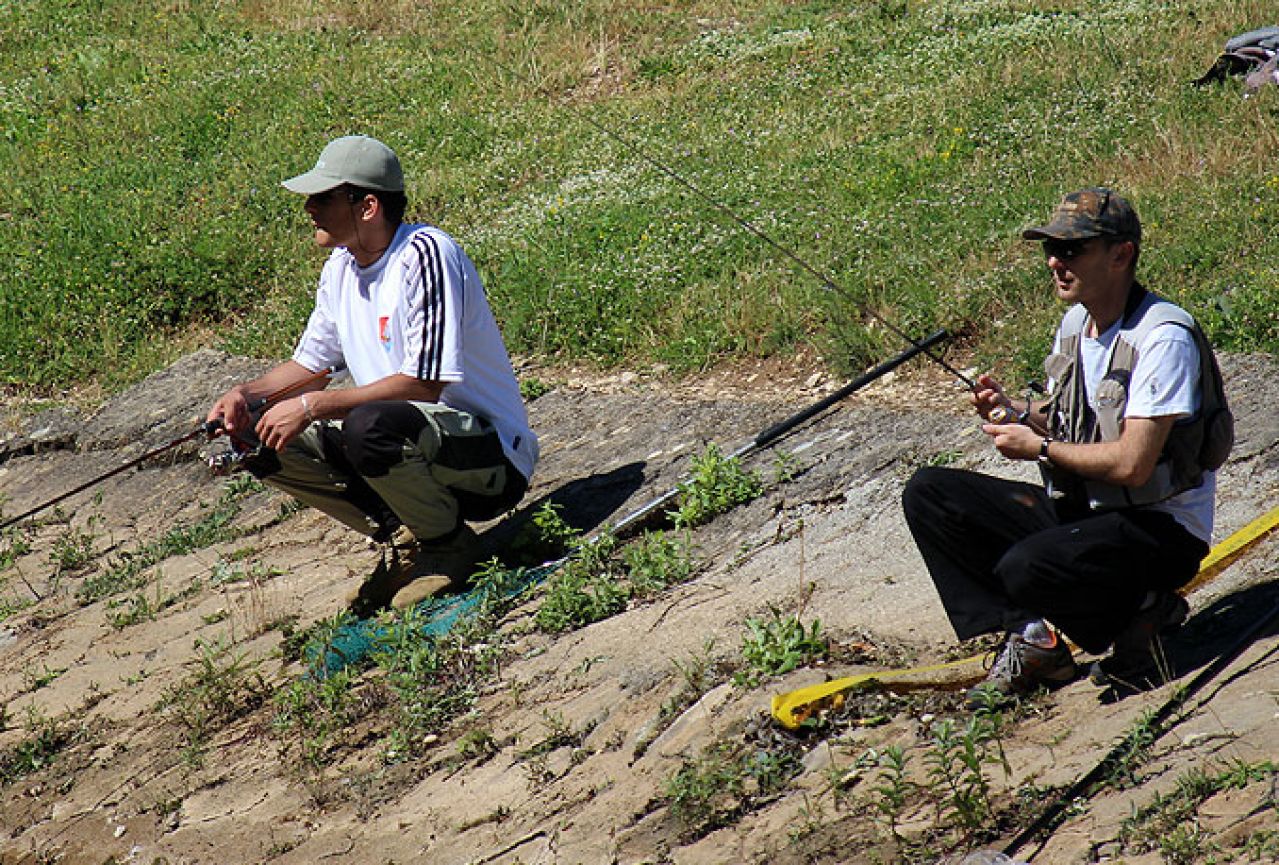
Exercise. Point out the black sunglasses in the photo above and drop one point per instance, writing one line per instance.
(327, 195)
(1066, 250)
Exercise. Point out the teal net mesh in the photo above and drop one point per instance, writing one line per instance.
(355, 641)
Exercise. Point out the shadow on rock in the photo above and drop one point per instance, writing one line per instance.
(1215, 630)
(583, 504)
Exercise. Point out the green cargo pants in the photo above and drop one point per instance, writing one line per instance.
(421, 465)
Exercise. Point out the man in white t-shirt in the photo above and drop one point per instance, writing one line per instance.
(1099, 551)
(433, 431)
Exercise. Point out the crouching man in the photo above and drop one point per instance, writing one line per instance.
(1128, 441)
(434, 431)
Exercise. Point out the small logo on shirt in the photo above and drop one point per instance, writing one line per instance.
(383, 332)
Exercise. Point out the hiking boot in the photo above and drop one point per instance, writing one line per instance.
(391, 574)
(1137, 652)
(1021, 668)
(439, 567)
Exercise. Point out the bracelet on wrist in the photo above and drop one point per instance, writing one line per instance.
(1043, 450)
(306, 409)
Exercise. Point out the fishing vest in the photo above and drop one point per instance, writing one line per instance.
(1195, 444)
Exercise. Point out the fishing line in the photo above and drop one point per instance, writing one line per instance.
(827, 281)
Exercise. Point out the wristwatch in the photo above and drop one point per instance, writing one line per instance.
(1043, 450)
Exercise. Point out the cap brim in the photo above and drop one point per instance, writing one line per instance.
(1058, 231)
(312, 183)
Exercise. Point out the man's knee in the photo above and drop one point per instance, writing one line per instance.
(924, 489)
(1028, 572)
(374, 435)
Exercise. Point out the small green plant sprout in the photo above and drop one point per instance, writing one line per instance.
(892, 788)
(16, 545)
(785, 466)
(956, 765)
(944, 458)
(72, 549)
(586, 589)
(545, 537)
(717, 484)
(35, 681)
(477, 743)
(774, 646)
(1132, 750)
(990, 712)
(240, 485)
(532, 388)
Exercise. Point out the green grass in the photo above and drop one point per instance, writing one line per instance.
(897, 146)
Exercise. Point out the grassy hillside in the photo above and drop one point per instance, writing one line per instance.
(897, 145)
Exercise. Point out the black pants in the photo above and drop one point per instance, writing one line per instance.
(1002, 553)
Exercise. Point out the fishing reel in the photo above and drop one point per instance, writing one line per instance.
(1008, 414)
(231, 459)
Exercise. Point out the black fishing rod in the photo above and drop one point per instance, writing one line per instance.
(209, 428)
(777, 430)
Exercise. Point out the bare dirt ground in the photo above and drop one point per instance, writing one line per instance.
(110, 753)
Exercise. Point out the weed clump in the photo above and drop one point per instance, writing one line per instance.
(718, 483)
(775, 646)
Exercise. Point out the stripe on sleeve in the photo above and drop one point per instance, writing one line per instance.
(431, 264)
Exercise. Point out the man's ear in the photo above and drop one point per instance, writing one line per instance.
(370, 208)
(1122, 254)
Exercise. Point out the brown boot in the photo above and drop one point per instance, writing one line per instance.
(439, 567)
(393, 572)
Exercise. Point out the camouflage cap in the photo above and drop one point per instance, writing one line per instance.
(1092, 212)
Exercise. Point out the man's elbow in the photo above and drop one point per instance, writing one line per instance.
(1133, 474)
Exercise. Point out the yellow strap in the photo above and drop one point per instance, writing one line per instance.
(794, 707)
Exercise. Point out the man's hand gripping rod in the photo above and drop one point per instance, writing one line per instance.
(209, 428)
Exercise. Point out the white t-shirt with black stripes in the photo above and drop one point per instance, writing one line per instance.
(420, 310)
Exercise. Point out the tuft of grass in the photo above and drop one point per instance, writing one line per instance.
(1169, 824)
(220, 687)
(45, 739)
(725, 782)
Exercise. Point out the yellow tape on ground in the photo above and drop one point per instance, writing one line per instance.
(795, 707)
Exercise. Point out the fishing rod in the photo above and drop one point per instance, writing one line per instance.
(781, 428)
(209, 428)
(827, 281)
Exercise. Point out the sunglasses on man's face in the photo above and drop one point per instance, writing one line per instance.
(1066, 250)
(322, 198)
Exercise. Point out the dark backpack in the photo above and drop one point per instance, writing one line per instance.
(1254, 54)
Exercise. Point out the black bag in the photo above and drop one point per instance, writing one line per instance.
(1254, 54)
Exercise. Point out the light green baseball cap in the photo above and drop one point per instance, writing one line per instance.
(354, 159)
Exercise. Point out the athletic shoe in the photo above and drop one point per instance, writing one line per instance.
(1138, 652)
(439, 567)
(1021, 668)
